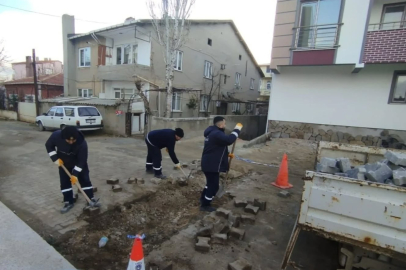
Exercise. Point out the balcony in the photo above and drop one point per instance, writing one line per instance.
(386, 43)
(265, 92)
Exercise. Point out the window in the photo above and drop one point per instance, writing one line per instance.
(237, 80)
(118, 53)
(178, 60)
(209, 42)
(317, 19)
(239, 57)
(235, 107)
(135, 53)
(249, 107)
(48, 71)
(85, 93)
(126, 54)
(204, 103)
(51, 112)
(117, 93)
(127, 92)
(84, 57)
(176, 102)
(225, 79)
(223, 66)
(268, 69)
(88, 111)
(29, 98)
(59, 112)
(252, 82)
(268, 85)
(70, 112)
(398, 89)
(208, 69)
(393, 16)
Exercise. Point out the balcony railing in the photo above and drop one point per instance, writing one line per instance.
(387, 26)
(264, 92)
(317, 36)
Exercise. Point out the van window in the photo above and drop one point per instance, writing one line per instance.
(59, 112)
(51, 112)
(70, 112)
(88, 111)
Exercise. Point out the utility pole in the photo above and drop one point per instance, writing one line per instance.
(35, 82)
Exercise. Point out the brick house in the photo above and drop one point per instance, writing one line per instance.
(49, 86)
(339, 71)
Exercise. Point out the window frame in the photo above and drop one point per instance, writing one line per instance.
(402, 22)
(268, 83)
(59, 108)
(53, 108)
(237, 106)
(176, 67)
(238, 82)
(396, 74)
(132, 55)
(84, 61)
(82, 90)
(211, 69)
(204, 99)
(70, 108)
(178, 96)
(117, 90)
(252, 83)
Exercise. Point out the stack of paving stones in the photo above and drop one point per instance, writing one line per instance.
(391, 170)
(115, 187)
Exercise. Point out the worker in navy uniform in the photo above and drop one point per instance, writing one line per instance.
(215, 158)
(156, 140)
(68, 147)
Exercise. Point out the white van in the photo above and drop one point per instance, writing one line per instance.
(83, 117)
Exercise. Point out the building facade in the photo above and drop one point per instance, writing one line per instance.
(215, 73)
(339, 71)
(44, 67)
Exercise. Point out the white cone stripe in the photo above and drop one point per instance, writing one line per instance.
(87, 188)
(207, 198)
(157, 169)
(52, 153)
(66, 190)
(77, 168)
(132, 265)
(235, 133)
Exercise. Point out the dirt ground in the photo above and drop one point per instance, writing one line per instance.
(167, 213)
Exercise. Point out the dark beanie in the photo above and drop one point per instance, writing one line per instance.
(179, 132)
(70, 132)
(218, 119)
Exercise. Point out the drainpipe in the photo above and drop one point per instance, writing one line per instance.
(159, 103)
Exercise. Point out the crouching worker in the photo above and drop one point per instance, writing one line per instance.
(215, 158)
(156, 140)
(68, 147)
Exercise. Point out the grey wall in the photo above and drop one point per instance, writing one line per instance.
(253, 125)
(193, 127)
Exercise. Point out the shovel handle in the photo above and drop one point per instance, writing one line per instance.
(77, 184)
(230, 159)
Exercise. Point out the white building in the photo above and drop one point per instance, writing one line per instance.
(340, 74)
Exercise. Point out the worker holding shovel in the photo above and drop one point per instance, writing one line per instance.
(215, 158)
(68, 148)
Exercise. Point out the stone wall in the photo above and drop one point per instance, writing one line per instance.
(350, 135)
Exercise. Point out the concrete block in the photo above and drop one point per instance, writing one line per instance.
(284, 194)
(341, 174)
(219, 238)
(132, 180)
(251, 209)
(203, 244)
(237, 233)
(91, 211)
(240, 264)
(260, 203)
(141, 181)
(353, 173)
(221, 212)
(247, 219)
(326, 169)
(372, 166)
(250, 201)
(116, 188)
(380, 175)
(344, 164)
(235, 220)
(276, 134)
(112, 181)
(222, 227)
(94, 189)
(399, 177)
(330, 162)
(205, 231)
(396, 158)
(240, 203)
(285, 135)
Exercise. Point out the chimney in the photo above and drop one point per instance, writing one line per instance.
(37, 58)
(28, 67)
(69, 55)
(45, 59)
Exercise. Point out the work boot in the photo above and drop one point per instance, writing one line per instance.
(67, 207)
(95, 203)
(149, 171)
(160, 176)
(207, 208)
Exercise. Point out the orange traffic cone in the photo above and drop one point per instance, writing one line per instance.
(137, 256)
(282, 180)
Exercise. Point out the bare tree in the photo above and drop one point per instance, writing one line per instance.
(4, 58)
(214, 87)
(171, 27)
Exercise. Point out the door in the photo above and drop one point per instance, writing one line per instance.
(69, 118)
(48, 119)
(136, 123)
(222, 110)
(58, 118)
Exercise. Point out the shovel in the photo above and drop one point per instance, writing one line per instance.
(222, 187)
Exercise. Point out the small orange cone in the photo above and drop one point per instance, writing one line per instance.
(137, 256)
(282, 181)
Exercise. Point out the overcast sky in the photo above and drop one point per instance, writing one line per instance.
(22, 31)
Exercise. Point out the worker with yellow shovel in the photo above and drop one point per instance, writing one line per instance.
(215, 158)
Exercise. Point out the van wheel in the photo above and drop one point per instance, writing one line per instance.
(40, 126)
(62, 127)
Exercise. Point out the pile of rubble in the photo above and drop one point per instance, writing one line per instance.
(391, 170)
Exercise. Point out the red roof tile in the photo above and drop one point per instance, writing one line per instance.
(55, 79)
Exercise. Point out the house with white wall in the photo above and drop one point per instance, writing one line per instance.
(339, 71)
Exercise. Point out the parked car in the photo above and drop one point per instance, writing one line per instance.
(58, 117)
